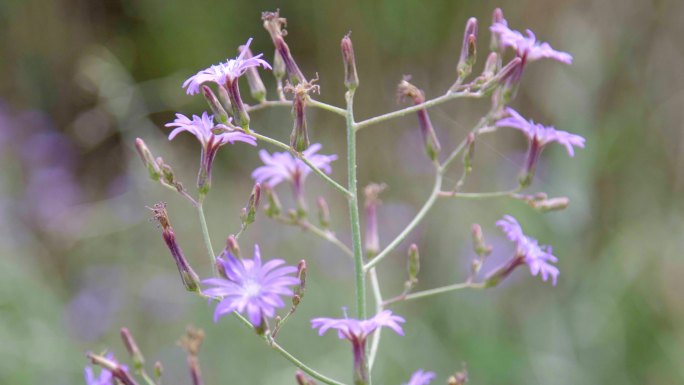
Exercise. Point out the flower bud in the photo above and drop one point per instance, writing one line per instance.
(469, 154)
(413, 264)
(188, 276)
(459, 378)
(303, 379)
(430, 141)
(239, 112)
(273, 23)
(479, 245)
(498, 275)
(256, 86)
(468, 49)
(158, 370)
(533, 152)
(132, 348)
(351, 78)
(225, 98)
(299, 138)
(119, 372)
(553, 204)
(273, 208)
(323, 212)
(491, 66)
(148, 159)
(495, 45)
(252, 205)
(279, 73)
(232, 245)
(301, 275)
(371, 192)
(219, 113)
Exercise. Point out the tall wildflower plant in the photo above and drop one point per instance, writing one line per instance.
(263, 291)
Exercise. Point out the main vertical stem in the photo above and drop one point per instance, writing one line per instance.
(354, 219)
(354, 209)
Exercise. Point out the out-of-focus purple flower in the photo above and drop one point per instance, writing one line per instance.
(527, 47)
(538, 136)
(105, 377)
(251, 287)
(357, 332)
(538, 258)
(540, 133)
(421, 377)
(225, 72)
(202, 128)
(283, 166)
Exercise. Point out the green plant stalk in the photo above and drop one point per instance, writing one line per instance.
(379, 306)
(439, 290)
(205, 231)
(359, 272)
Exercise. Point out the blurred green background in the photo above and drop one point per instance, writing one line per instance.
(80, 257)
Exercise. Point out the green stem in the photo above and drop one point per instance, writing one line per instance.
(354, 210)
(287, 103)
(439, 290)
(205, 231)
(483, 195)
(315, 169)
(379, 306)
(427, 104)
(412, 225)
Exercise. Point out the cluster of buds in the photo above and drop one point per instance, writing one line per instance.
(159, 171)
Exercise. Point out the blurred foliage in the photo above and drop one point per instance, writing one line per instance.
(80, 257)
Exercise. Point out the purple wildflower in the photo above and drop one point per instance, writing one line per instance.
(202, 128)
(357, 332)
(421, 377)
(527, 47)
(538, 136)
(251, 287)
(283, 166)
(538, 258)
(225, 72)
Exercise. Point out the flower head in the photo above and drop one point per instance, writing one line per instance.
(202, 126)
(283, 166)
(540, 133)
(538, 258)
(358, 330)
(527, 47)
(251, 287)
(421, 377)
(225, 72)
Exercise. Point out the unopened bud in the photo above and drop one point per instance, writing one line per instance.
(148, 159)
(481, 248)
(468, 49)
(553, 204)
(303, 379)
(301, 274)
(279, 69)
(232, 245)
(273, 208)
(430, 141)
(252, 205)
(273, 23)
(533, 152)
(413, 263)
(224, 97)
(132, 348)
(188, 276)
(459, 378)
(469, 154)
(239, 112)
(219, 113)
(497, 17)
(372, 192)
(498, 275)
(119, 372)
(299, 138)
(491, 66)
(256, 86)
(323, 212)
(167, 174)
(158, 370)
(351, 78)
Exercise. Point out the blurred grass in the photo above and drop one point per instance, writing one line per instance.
(80, 261)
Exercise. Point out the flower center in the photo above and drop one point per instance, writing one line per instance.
(252, 288)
